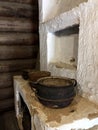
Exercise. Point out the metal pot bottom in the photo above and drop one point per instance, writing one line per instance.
(55, 103)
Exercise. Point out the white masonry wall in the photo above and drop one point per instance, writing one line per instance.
(48, 39)
(87, 72)
(56, 7)
(86, 15)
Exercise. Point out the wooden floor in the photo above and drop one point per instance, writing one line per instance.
(8, 121)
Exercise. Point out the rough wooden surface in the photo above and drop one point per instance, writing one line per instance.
(18, 44)
(17, 9)
(10, 24)
(6, 104)
(18, 52)
(16, 65)
(8, 121)
(18, 38)
(6, 79)
(6, 93)
(33, 2)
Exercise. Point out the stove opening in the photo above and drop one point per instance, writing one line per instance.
(26, 120)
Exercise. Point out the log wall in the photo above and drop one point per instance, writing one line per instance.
(19, 41)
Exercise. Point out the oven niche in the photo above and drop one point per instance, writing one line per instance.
(62, 48)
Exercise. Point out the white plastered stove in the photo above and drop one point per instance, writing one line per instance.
(69, 48)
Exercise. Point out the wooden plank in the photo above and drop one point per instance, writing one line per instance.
(10, 24)
(2, 126)
(9, 121)
(17, 65)
(6, 79)
(17, 9)
(18, 52)
(18, 38)
(33, 2)
(6, 104)
(6, 93)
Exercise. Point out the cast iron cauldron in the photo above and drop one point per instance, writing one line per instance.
(55, 92)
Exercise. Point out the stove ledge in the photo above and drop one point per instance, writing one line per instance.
(80, 115)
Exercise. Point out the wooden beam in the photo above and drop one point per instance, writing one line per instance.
(18, 52)
(33, 2)
(17, 9)
(6, 104)
(17, 65)
(6, 93)
(6, 79)
(19, 39)
(10, 24)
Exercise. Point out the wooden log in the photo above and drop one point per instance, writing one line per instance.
(6, 93)
(9, 121)
(17, 9)
(6, 80)
(10, 24)
(17, 65)
(6, 104)
(33, 2)
(18, 52)
(18, 38)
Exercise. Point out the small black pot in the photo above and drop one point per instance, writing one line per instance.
(55, 91)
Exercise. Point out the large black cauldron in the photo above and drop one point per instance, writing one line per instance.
(55, 92)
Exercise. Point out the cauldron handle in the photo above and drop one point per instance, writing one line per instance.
(34, 86)
(74, 82)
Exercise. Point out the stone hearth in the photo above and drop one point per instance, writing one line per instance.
(80, 115)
